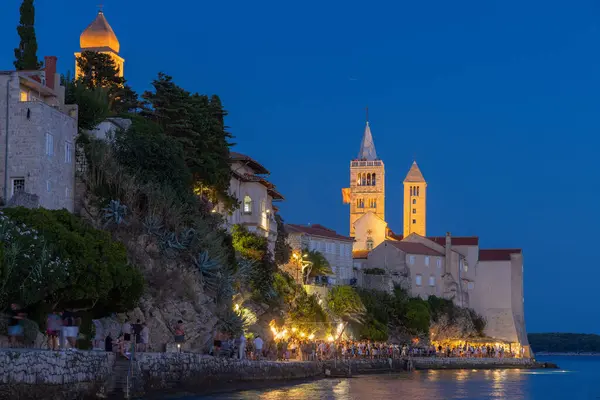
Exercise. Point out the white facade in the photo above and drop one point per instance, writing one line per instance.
(336, 248)
(256, 196)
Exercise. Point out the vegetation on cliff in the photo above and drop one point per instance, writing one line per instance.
(53, 257)
(401, 316)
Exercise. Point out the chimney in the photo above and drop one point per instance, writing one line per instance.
(50, 69)
(448, 260)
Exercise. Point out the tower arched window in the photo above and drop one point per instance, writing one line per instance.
(414, 201)
(373, 182)
(368, 179)
(411, 191)
(364, 179)
(417, 191)
(247, 205)
(358, 179)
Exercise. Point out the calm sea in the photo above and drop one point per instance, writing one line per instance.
(577, 378)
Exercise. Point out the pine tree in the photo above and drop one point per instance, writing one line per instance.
(26, 54)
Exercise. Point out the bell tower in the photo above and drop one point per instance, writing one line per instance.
(367, 182)
(415, 202)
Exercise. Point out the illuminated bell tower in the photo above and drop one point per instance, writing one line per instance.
(415, 202)
(99, 37)
(367, 182)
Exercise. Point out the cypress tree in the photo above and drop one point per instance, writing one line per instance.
(26, 54)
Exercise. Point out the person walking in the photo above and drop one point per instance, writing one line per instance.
(242, 347)
(145, 337)
(15, 327)
(258, 345)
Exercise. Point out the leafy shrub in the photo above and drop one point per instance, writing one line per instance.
(99, 274)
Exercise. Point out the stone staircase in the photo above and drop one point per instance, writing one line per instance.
(118, 381)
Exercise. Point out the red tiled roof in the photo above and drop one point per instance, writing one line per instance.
(275, 194)
(317, 230)
(413, 248)
(255, 165)
(456, 240)
(497, 254)
(360, 254)
(441, 240)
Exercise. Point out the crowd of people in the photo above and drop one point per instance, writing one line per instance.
(313, 350)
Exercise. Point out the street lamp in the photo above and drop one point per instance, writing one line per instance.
(300, 263)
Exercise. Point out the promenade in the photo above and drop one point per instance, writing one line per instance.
(70, 374)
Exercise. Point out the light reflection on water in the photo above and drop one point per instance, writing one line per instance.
(576, 383)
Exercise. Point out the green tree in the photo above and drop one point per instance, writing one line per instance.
(198, 123)
(153, 157)
(317, 264)
(99, 70)
(345, 303)
(99, 274)
(282, 248)
(92, 103)
(26, 53)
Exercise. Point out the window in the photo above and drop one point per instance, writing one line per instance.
(431, 280)
(373, 182)
(358, 179)
(418, 279)
(49, 145)
(414, 210)
(372, 203)
(368, 179)
(427, 261)
(370, 244)
(463, 265)
(471, 285)
(414, 221)
(24, 95)
(18, 185)
(247, 205)
(414, 201)
(360, 203)
(439, 262)
(48, 186)
(411, 260)
(68, 152)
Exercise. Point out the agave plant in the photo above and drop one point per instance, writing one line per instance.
(153, 225)
(231, 322)
(210, 271)
(115, 213)
(186, 237)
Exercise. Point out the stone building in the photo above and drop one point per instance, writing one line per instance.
(456, 268)
(100, 37)
(249, 185)
(37, 136)
(336, 248)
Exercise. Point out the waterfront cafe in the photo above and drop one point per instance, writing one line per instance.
(511, 349)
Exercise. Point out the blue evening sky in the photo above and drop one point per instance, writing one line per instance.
(497, 100)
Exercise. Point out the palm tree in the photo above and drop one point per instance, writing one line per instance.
(317, 265)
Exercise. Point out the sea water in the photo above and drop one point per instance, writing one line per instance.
(577, 378)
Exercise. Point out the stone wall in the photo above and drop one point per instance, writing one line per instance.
(57, 375)
(483, 363)
(195, 372)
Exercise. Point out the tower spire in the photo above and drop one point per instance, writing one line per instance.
(367, 146)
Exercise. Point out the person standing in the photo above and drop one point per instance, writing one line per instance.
(258, 345)
(15, 327)
(126, 330)
(137, 330)
(144, 337)
(242, 348)
(53, 328)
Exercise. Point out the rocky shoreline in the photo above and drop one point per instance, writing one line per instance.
(86, 375)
